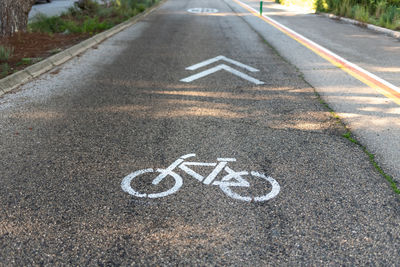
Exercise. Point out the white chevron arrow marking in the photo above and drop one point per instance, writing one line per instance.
(218, 68)
(216, 59)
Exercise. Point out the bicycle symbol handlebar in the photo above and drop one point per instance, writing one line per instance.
(231, 179)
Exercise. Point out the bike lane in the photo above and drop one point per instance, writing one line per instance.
(70, 138)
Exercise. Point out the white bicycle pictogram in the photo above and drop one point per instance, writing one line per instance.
(231, 179)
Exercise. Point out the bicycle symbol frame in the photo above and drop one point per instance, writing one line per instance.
(231, 179)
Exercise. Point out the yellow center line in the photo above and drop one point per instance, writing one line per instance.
(382, 86)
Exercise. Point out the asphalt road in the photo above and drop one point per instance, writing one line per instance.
(69, 139)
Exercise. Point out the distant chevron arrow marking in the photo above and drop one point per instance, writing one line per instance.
(218, 68)
(216, 59)
(221, 67)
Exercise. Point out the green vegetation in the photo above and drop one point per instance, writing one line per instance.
(89, 17)
(4, 69)
(27, 61)
(384, 13)
(5, 52)
(371, 156)
(348, 135)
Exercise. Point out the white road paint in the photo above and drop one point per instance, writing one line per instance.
(218, 68)
(200, 10)
(275, 187)
(208, 180)
(191, 172)
(232, 179)
(227, 159)
(218, 58)
(226, 187)
(188, 156)
(126, 184)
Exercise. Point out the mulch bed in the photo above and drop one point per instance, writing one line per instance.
(35, 46)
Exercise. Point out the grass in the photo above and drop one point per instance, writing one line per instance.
(371, 156)
(25, 61)
(349, 136)
(4, 69)
(5, 52)
(361, 13)
(384, 13)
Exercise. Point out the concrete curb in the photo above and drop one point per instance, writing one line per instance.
(17, 79)
(391, 33)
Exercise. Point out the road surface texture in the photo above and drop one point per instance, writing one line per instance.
(70, 138)
(372, 117)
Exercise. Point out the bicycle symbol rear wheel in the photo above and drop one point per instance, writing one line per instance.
(126, 184)
(273, 193)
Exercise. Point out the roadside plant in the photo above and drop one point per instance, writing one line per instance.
(361, 13)
(390, 17)
(5, 52)
(380, 8)
(385, 13)
(45, 24)
(4, 70)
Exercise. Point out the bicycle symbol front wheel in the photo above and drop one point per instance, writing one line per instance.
(126, 184)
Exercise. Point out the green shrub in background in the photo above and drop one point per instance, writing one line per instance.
(48, 24)
(87, 16)
(6, 52)
(385, 13)
(4, 69)
(360, 13)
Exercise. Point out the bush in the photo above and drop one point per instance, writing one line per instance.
(380, 8)
(390, 17)
(46, 24)
(361, 13)
(92, 25)
(87, 16)
(4, 69)
(6, 52)
(385, 13)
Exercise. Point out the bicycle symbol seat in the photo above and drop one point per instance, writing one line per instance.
(232, 179)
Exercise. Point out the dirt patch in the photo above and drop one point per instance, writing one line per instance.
(30, 48)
